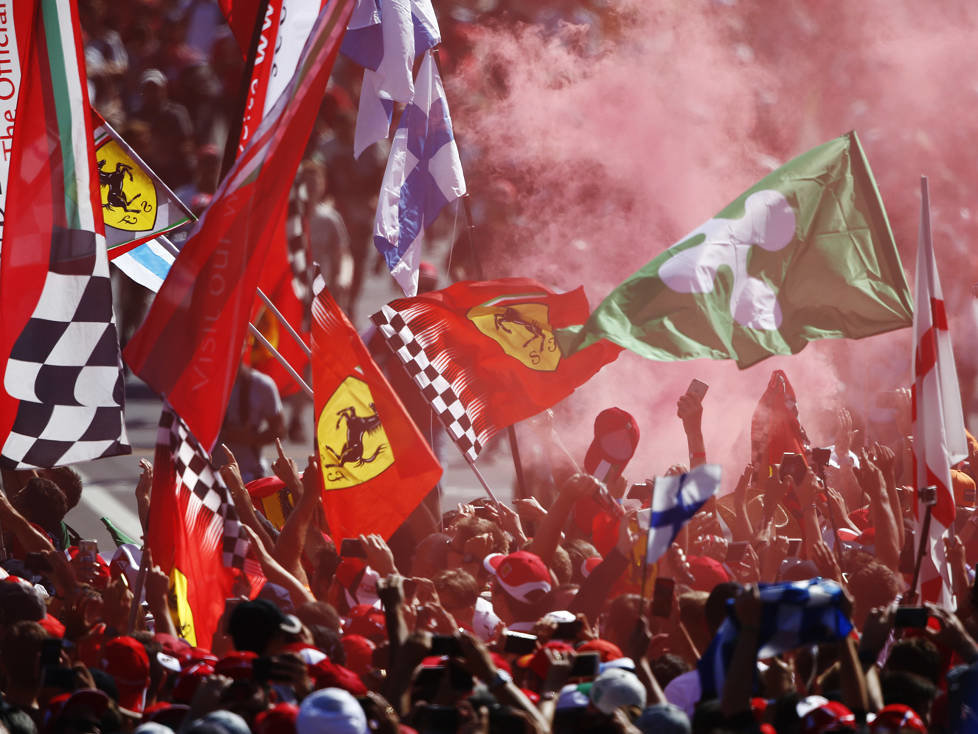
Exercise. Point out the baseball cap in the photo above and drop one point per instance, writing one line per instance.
(359, 653)
(821, 715)
(220, 721)
(327, 674)
(368, 622)
(237, 664)
(88, 704)
(125, 659)
(663, 718)
(333, 710)
(607, 650)
(522, 575)
(616, 688)
(20, 601)
(279, 719)
(897, 718)
(185, 684)
(152, 76)
(252, 624)
(707, 572)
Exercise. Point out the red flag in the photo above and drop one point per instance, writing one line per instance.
(484, 353)
(242, 15)
(376, 465)
(774, 428)
(194, 532)
(938, 418)
(188, 348)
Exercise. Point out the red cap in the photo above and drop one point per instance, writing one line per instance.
(359, 653)
(125, 659)
(185, 684)
(538, 661)
(88, 703)
(367, 621)
(52, 625)
(896, 718)
(279, 719)
(327, 674)
(860, 518)
(236, 664)
(607, 650)
(707, 572)
(589, 564)
(521, 574)
(166, 713)
(174, 646)
(830, 716)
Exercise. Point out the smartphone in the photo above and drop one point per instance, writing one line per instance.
(352, 548)
(794, 547)
(662, 597)
(459, 679)
(58, 677)
(911, 617)
(793, 465)
(427, 682)
(51, 652)
(585, 665)
(445, 645)
(697, 388)
(441, 719)
(820, 457)
(519, 643)
(568, 630)
(735, 551)
(37, 564)
(261, 669)
(88, 549)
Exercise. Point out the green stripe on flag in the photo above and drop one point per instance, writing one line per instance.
(62, 104)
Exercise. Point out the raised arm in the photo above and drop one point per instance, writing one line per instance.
(544, 543)
(689, 408)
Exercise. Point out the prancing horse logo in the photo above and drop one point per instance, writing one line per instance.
(353, 446)
(128, 194)
(522, 330)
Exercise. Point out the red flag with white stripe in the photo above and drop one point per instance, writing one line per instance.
(938, 419)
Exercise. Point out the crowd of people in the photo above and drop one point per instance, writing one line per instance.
(537, 616)
(524, 618)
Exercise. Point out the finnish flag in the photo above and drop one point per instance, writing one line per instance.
(675, 500)
(385, 37)
(423, 174)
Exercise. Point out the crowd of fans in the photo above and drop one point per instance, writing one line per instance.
(503, 619)
(536, 617)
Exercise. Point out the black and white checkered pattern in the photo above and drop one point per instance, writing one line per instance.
(209, 509)
(435, 388)
(65, 368)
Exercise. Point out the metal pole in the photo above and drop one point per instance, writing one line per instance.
(282, 320)
(281, 360)
(138, 591)
(924, 533)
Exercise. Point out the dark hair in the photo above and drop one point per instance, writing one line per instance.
(41, 502)
(318, 613)
(669, 666)
(900, 686)
(916, 655)
(873, 585)
(579, 550)
(69, 481)
(469, 527)
(20, 652)
(329, 641)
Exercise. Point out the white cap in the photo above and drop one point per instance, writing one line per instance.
(617, 687)
(332, 710)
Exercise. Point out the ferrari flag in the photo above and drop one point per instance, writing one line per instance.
(376, 466)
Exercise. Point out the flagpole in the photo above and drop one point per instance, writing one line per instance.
(138, 590)
(478, 474)
(281, 360)
(924, 534)
(284, 322)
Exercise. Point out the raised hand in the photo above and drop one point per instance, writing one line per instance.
(285, 469)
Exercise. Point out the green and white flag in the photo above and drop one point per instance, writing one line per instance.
(804, 254)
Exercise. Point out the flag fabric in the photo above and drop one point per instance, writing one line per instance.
(938, 418)
(793, 614)
(376, 466)
(423, 175)
(136, 205)
(242, 15)
(15, 23)
(775, 428)
(62, 397)
(675, 499)
(149, 263)
(806, 253)
(483, 354)
(386, 37)
(193, 527)
(189, 346)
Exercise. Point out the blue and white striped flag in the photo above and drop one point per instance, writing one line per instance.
(386, 37)
(149, 263)
(793, 614)
(423, 174)
(675, 500)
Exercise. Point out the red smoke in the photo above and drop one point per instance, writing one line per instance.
(597, 149)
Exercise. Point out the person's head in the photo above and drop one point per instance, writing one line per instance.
(126, 660)
(330, 710)
(918, 693)
(458, 592)
(42, 503)
(327, 561)
(260, 627)
(69, 482)
(916, 655)
(20, 656)
(578, 552)
(872, 585)
(152, 88)
(619, 621)
(430, 556)
(318, 613)
(471, 527)
(312, 176)
(669, 666)
(522, 589)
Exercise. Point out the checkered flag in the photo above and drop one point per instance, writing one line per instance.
(428, 370)
(210, 518)
(64, 367)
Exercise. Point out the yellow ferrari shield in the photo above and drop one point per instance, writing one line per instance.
(522, 330)
(353, 447)
(128, 194)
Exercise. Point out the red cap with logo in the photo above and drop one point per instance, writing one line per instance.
(125, 659)
(522, 575)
